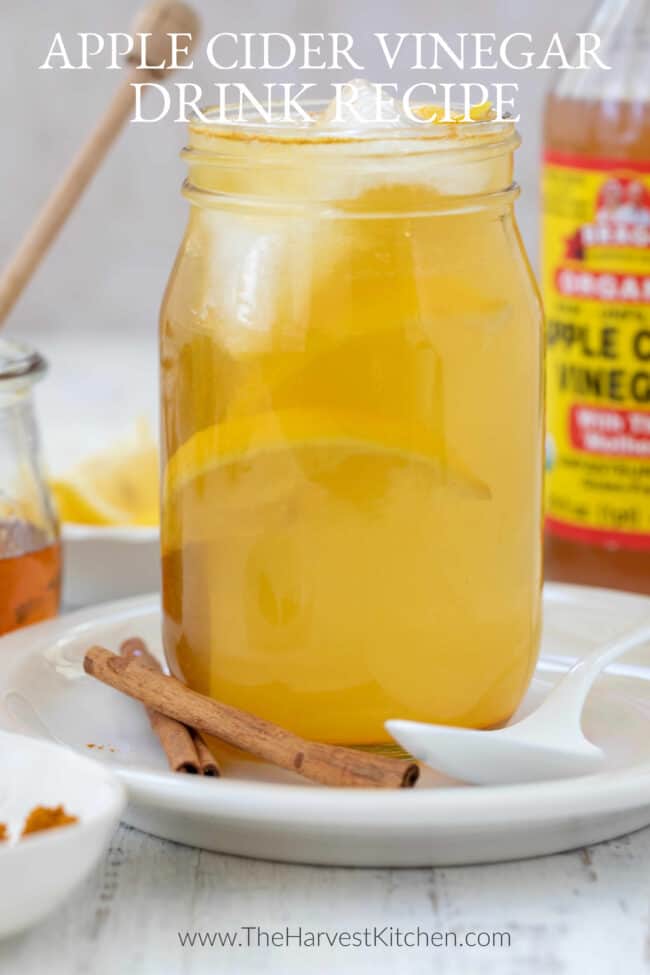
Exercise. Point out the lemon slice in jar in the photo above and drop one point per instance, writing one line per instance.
(117, 487)
(260, 463)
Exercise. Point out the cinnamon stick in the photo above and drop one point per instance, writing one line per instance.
(328, 764)
(185, 749)
(207, 762)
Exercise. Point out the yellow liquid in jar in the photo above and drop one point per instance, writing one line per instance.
(353, 439)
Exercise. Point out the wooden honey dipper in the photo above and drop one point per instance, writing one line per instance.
(159, 20)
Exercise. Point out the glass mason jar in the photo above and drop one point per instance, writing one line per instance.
(352, 403)
(30, 556)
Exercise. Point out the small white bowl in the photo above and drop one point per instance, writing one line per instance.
(105, 563)
(39, 871)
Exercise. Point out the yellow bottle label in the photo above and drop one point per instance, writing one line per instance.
(596, 283)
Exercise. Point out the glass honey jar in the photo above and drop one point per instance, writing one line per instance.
(30, 554)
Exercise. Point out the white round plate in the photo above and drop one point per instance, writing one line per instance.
(258, 812)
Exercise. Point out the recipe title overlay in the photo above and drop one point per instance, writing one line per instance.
(235, 102)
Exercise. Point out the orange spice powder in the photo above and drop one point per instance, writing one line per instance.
(44, 817)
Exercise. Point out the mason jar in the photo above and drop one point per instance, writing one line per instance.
(352, 421)
(30, 554)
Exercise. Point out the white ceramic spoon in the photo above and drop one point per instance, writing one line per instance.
(548, 744)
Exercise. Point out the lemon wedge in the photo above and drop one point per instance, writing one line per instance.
(436, 113)
(430, 113)
(482, 112)
(118, 486)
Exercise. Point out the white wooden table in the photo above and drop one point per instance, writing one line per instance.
(584, 912)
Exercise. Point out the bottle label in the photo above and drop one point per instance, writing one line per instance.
(596, 283)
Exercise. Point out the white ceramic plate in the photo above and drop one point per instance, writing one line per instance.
(258, 812)
(102, 563)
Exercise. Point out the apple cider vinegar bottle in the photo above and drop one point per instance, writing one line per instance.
(596, 284)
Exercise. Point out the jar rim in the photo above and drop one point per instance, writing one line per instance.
(18, 360)
(438, 135)
(292, 167)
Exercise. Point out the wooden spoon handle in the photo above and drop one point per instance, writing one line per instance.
(65, 196)
(158, 20)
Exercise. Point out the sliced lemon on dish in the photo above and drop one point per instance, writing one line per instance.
(118, 486)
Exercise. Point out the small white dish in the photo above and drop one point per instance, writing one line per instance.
(40, 870)
(105, 563)
(257, 811)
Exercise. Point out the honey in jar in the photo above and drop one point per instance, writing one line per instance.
(30, 554)
(596, 283)
(30, 575)
(351, 349)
